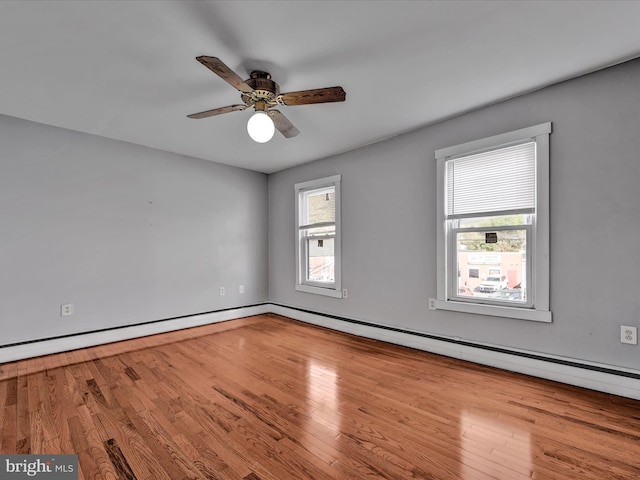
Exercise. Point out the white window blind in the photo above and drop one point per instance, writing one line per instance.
(501, 181)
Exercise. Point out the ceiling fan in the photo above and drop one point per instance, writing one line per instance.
(263, 94)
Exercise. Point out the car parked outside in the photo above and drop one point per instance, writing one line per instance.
(493, 283)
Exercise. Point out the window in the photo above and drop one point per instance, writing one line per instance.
(493, 225)
(318, 236)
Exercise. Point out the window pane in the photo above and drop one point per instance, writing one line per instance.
(320, 264)
(320, 206)
(492, 265)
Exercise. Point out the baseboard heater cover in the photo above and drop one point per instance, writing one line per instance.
(605, 378)
(601, 377)
(72, 341)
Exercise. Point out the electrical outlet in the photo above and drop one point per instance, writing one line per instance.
(628, 335)
(345, 293)
(432, 304)
(221, 291)
(66, 309)
(241, 289)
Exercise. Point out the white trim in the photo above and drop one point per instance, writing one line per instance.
(519, 313)
(327, 291)
(495, 141)
(46, 347)
(442, 233)
(541, 245)
(319, 183)
(550, 370)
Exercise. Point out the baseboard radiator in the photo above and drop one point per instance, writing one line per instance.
(605, 378)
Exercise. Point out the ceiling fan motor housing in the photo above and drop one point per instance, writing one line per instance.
(264, 89)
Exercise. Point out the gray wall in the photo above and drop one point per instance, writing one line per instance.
(389, 222)
(125, 233)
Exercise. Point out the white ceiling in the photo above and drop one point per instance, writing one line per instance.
(126, 69)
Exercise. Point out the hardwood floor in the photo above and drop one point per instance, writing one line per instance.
(268, 398)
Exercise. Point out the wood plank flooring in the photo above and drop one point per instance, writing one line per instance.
(269, 398)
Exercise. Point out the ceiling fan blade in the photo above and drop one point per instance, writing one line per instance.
(282, 123)
(216, 66)
(318, 95)
(217, 111)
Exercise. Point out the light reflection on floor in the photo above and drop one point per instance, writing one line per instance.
(483, 438)
(324, 394)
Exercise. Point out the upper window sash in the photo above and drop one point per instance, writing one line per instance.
(316, 225)
(497, 213)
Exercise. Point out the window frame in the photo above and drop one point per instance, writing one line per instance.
(537, 305)
(301, 251)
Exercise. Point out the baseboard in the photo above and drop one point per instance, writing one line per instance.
(65, 343)
(604, 378)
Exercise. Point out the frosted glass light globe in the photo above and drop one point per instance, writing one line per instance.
(260, 127)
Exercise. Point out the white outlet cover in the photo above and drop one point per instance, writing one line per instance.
(66, 309)
(628, 335)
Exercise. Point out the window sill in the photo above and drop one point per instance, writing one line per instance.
(329, 292)
(496, 311)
